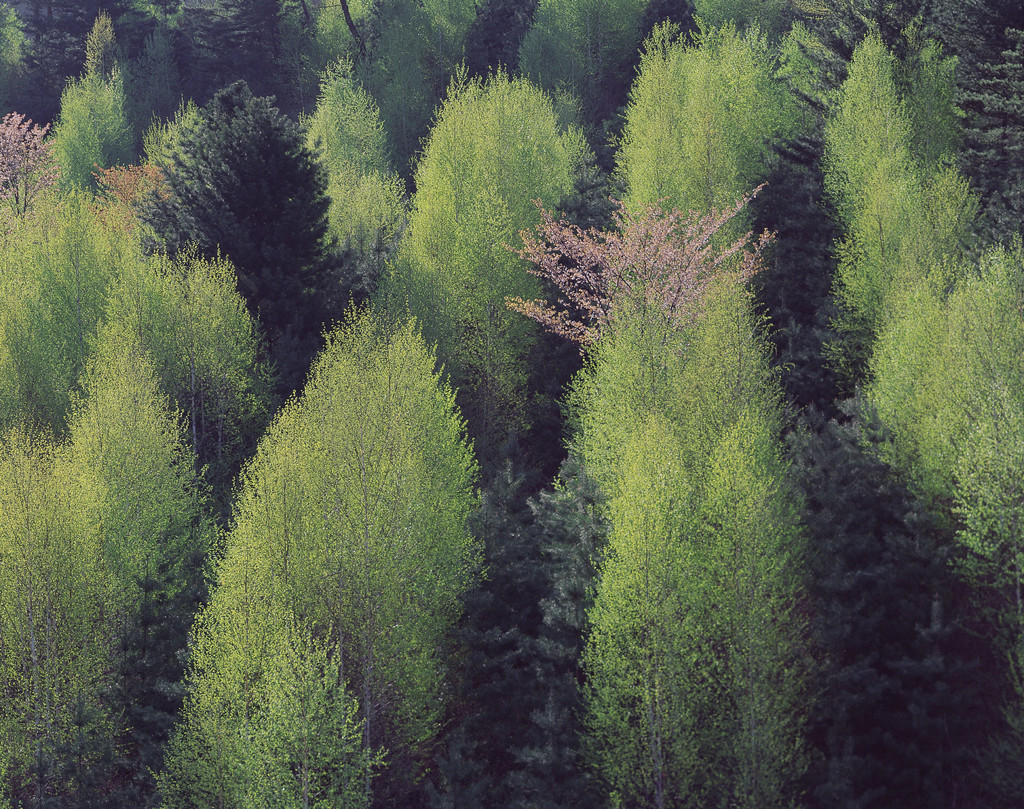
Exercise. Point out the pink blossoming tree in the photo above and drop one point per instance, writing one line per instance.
(27, 166)
(656, 258)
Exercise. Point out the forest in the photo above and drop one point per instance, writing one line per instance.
(511, 404)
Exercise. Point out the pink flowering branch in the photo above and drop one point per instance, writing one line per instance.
(663, 260)
(26, 161)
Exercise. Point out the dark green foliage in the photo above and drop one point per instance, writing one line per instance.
(267, 213)
(232, 40)
(56, 31)
(994, 157)
(795, 286)
(590, 204)
(898, 702)
(150, 688)
(677, 12)
(403, 79)
(974, 31)
(573, 534)
(515, 743)
(494, 38)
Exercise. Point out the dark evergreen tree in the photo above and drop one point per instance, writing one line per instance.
(572, 534)
(494, 38)
(899, 709)
(241, 182)
(150, 686)
(514, 741)
(994, 157)
(233, 40)
(974, 31)
(795, 287)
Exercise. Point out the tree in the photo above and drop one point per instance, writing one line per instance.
(495, 147)
(900, 219)
(95, 529)
(701, 120)
(351, 527)
(902, 712)
(994, 157)
(661, 261)
(306, 747)
(233, 40)
(695, 680)
(187, 318)
(56, 33)
(693, 652)
(496, 34)
(367, 213)
(137, 493)
(92, 130)
(154, 79)
(59, 269)
(583, 47)
(773, 17)
(26, 161)
(12, 47)
(403, 78)
(268, 216)
(947, 383)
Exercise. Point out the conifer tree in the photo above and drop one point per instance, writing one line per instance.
(994, 157)
(233, 40)
(268, 215)
(901, 710)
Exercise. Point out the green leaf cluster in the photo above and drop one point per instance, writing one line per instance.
(59, 268)
(367, 210)
(93, 129)
(495, 148)
(86, 522)
(350, 530)
(701, 120)
(886, 169)
(694, 677)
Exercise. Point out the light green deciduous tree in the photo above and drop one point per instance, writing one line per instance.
(496, 148)
(350, 534)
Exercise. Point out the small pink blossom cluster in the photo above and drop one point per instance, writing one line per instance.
(26, 161)
(653, 258)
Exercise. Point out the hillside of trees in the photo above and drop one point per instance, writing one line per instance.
(511, 404)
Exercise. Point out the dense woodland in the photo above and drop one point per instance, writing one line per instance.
(511, 403)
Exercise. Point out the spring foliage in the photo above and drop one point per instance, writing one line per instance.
(693, 667)
(904, 210)
(349, 539)
(85, 523)
(701, 120)
(655, 259)
(496, 146)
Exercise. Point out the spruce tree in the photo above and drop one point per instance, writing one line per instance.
(898, 697)
(241, 182)
(995, 149)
